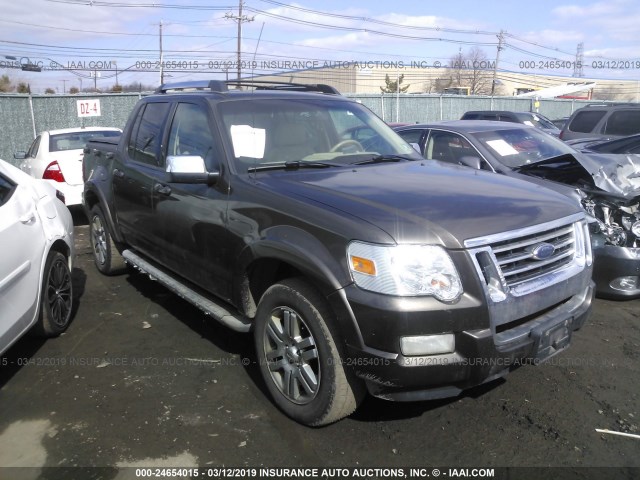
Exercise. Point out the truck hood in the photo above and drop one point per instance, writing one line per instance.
(427, 202)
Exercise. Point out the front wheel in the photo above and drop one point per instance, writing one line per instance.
(298, 356)
(105, 254)
(56, 299)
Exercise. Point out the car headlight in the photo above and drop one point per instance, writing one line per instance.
(405, 270)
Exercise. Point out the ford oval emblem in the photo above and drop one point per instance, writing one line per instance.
(542, 251)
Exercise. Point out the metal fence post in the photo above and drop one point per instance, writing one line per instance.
(33, 118)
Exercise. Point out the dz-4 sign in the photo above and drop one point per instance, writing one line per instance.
(88, 108)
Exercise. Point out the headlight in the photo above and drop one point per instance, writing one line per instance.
(405, 270)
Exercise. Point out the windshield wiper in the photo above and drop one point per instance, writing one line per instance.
(383, 159)
(294, 165)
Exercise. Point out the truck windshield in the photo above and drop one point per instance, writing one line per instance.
(521, 146)
(274, 131)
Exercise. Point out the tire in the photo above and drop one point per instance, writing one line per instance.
(56, 298)
(299, 357)
(105, 254)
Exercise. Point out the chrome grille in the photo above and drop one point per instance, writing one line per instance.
(516, 258)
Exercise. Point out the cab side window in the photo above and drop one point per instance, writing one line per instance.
(190, 134)
(146, 136)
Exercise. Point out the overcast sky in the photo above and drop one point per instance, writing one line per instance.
(124, 35)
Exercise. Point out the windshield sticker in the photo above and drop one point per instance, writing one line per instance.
(248, 141)
(502, 148)
(527, 122)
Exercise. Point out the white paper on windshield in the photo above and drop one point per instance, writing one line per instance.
(248, 141)
(502, 148)
(527, 122)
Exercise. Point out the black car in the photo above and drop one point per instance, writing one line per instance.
(608, 189)
(532, 119)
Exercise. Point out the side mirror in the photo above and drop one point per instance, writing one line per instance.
(190, 169)
(20, 155)
(473, 162)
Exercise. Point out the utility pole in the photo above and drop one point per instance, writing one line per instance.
(64, 86)
(495, 66)
(577, 69)
(240, 19)
(161, 57)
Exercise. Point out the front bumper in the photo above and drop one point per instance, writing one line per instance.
(481, 354)
(611, 264)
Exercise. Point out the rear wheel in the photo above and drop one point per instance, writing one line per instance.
(56, 298)
(105, 254)
(299, 358)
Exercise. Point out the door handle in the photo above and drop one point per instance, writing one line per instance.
(118, 173)
(162, 189)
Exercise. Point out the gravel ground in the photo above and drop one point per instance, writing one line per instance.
(141, 378)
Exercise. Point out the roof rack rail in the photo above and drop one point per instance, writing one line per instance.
(286, 86)
(612, 104)
(212, 85)
(222, 86)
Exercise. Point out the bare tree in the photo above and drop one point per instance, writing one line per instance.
(473, 70)
(23, 88)
(5, 84)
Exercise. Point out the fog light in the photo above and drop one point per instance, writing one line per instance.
(428, 344)
(625, 284)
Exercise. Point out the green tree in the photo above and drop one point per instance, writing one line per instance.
(49, 91)
(5, 84)
(392, 86)
(23, 88)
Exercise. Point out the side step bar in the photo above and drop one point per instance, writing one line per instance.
(207, 306)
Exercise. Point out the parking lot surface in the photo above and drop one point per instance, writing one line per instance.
(142, 378)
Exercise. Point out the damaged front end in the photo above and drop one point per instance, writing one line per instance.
(609, 190)
(613, 202)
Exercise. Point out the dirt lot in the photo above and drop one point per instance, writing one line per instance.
(141, 378)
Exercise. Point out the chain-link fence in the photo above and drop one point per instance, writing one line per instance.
(22, 117)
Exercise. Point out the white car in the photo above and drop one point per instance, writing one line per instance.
(56, 156)
(36, 236)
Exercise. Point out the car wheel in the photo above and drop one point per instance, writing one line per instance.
(299, 357)
(56, 297)
(105, 254)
